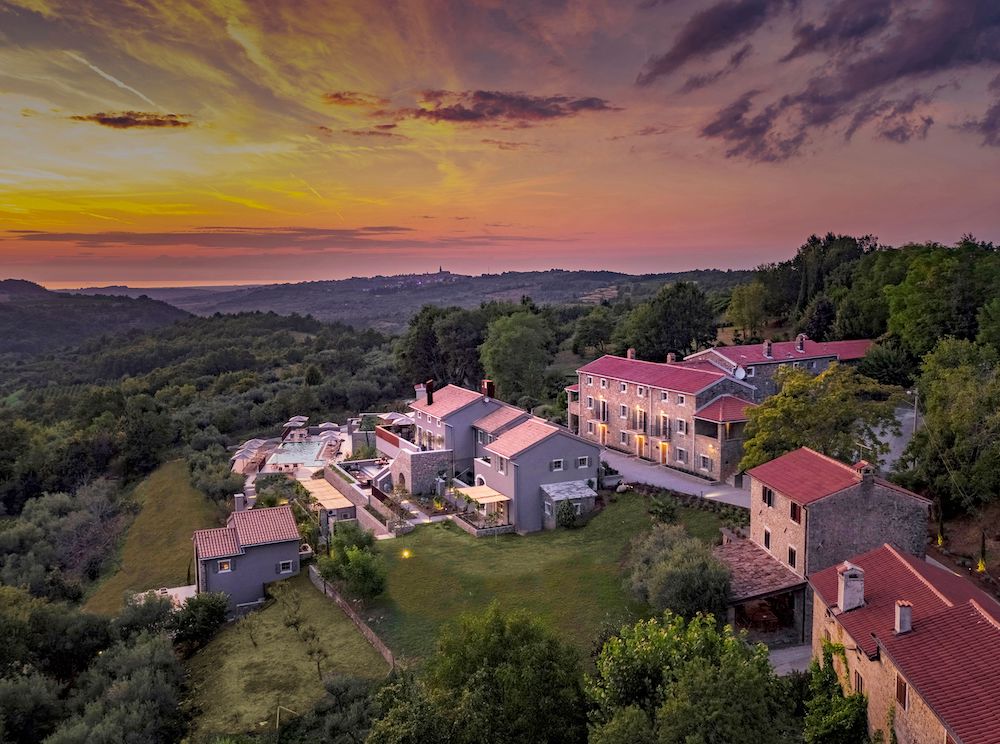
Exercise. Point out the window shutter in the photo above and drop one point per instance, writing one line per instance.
(277, 568)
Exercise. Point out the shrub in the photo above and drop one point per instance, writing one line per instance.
(566, 515)
(365, 573)
(200, 619)
(663, 509)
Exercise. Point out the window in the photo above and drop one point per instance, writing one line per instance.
(556, 465)
(420, 415)
(225, 566)
(681, 400)
(795, 365)
(479, 437)
(767, 539)
(640, 391)
(285, 567)
(750, 371)
(590, 427)
(590, 402)
(548, 509)
(796, 513)
(859, 683)
(623, 411)
(767, 496)
(590, 380)
(622, 387)
(501, 465)
(901, 692)
(664, 396)
(623, 438)
(705, 462)
(682, 455)
(576, 508)
(791, 557)
(583, 462)
(604, 383)
(682, 426)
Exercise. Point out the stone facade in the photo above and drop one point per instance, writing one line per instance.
(916, 724)
(773, 529)
(761, 375)
(862, 518)
(658, 424)
(418, 472)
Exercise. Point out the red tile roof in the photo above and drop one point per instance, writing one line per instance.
(574, 388)
(805, 476)
(499, 418)
(216, 543)
(447, 400)
(725, 408)
(785, 351)
(753, 572)
(679, 377)
(260, 526)
(521, 437)
(950, 655)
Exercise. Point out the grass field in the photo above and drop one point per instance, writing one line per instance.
(569, 578)
(235, 687)
(157, 548)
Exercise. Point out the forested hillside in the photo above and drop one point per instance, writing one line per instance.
(33, 320)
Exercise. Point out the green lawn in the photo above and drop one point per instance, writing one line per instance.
(235, 687)
(157, 550)
(570, 578)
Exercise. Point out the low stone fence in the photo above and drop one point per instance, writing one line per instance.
(370, 635)
(469, 527)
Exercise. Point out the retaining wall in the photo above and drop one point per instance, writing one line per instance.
(370, 635)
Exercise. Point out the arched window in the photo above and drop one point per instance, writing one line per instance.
(480, 480)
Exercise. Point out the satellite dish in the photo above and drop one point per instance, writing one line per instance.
(739, 373)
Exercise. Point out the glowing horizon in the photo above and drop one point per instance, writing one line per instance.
(223, 142)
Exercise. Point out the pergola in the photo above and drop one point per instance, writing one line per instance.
(488, 499)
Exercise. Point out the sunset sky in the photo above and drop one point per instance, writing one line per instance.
(226, 141)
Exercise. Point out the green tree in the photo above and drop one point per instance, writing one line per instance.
(678, 319)
(818, 318)
(516, 353)
(832, 413)
(147, 432)
(693, 681)
(197, 622)
(627, 726)
(747, 308)
(989, 323)
(594, 330)
(663, 508)
(831, 716)
(342, 716)
(889, 363)
(313, 375)
(365, 573)
(30, 708)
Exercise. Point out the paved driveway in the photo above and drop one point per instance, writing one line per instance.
(635, 470)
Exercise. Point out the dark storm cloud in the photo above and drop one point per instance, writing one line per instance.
(135, 120)
(988, 127)
(486, 107)
(720, 26)
(353, 98)
(857, 84)
(847, 23)
(695, 82)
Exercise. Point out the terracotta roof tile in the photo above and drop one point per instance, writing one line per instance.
(501, 417)
(521, 437)
(260, 526)
(725, 408)
(216, 543)
(754, 572)
(785, 351)
(574, 388)
(680, 377)
(950, 655)
(447, 400)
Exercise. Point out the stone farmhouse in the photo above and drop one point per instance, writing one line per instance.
(689, 417)
(809, 512)
(690, 414)
(516, 467)
(921, 642)
(255, 548)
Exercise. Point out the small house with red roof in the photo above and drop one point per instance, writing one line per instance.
(919, 641)
(809, 512)
(689, 417)
(255, 547)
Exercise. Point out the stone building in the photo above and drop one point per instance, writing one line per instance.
(808, 512)
(919, 641)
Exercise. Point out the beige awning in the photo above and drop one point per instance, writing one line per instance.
(483, 494)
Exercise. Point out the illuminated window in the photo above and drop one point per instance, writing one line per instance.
(225, 566)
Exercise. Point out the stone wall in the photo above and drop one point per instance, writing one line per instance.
(418, 471)
(784, 532)
(763, 374)
(369, 635)
(862, 518)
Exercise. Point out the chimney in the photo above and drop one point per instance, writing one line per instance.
(904, 616)
(800, 342)
(767, 349)
(239, 502)
(671, 358)
(487, 388)
(850, 586)
(419, 390)
(630, 353)
(429, 390)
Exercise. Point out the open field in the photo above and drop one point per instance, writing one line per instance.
(235, 687)
(157, 549)
(569, 578)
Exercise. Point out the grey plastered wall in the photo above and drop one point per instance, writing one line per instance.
(251, 571)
